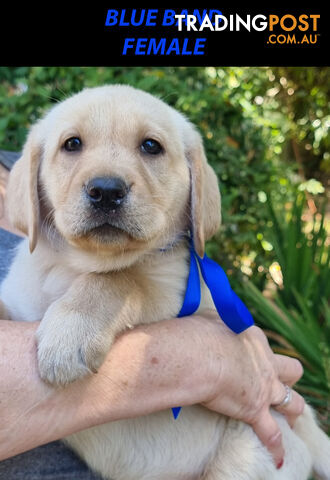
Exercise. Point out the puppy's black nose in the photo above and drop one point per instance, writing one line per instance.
(107, 192)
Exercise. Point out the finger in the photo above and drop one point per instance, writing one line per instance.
(290, 370)
(270, 435)
(279, 393)
(293, 409)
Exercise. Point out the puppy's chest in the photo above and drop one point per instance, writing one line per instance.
(168, 280)
(163, 281)
(56, 282)
(47, 287)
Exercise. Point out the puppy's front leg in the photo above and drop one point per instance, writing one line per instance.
(78, 329)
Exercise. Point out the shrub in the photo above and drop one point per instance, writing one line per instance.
(297, 314)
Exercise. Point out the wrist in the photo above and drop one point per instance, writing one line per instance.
(32, 413)
(152, 368)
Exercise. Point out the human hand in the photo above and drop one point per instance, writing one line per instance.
(251, 380)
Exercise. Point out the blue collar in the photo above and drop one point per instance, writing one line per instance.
(229, 306)
(173, 243)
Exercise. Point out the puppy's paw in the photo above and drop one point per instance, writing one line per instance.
(60, 365)
(67, 350)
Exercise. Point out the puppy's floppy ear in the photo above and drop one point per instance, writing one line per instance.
(22, 193)
(205, 195)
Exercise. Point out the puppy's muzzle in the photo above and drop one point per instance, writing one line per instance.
(107, 193)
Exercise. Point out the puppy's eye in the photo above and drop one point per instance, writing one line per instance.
(151, 146)
(72, 144)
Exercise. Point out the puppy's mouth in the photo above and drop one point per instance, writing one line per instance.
(123, 227)
(107, 231)
(112, 228)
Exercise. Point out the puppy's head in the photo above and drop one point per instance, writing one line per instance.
(114, 170)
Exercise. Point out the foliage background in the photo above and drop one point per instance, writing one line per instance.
(265, 131)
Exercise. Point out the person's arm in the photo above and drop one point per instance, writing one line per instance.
(176, 362)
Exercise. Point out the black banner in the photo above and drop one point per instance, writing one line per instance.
(98, 34)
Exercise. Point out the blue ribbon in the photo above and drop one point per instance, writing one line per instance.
(229, 306)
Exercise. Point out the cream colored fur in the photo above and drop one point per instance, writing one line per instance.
(86, 288)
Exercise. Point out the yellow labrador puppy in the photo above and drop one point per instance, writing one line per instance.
(108, 185)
